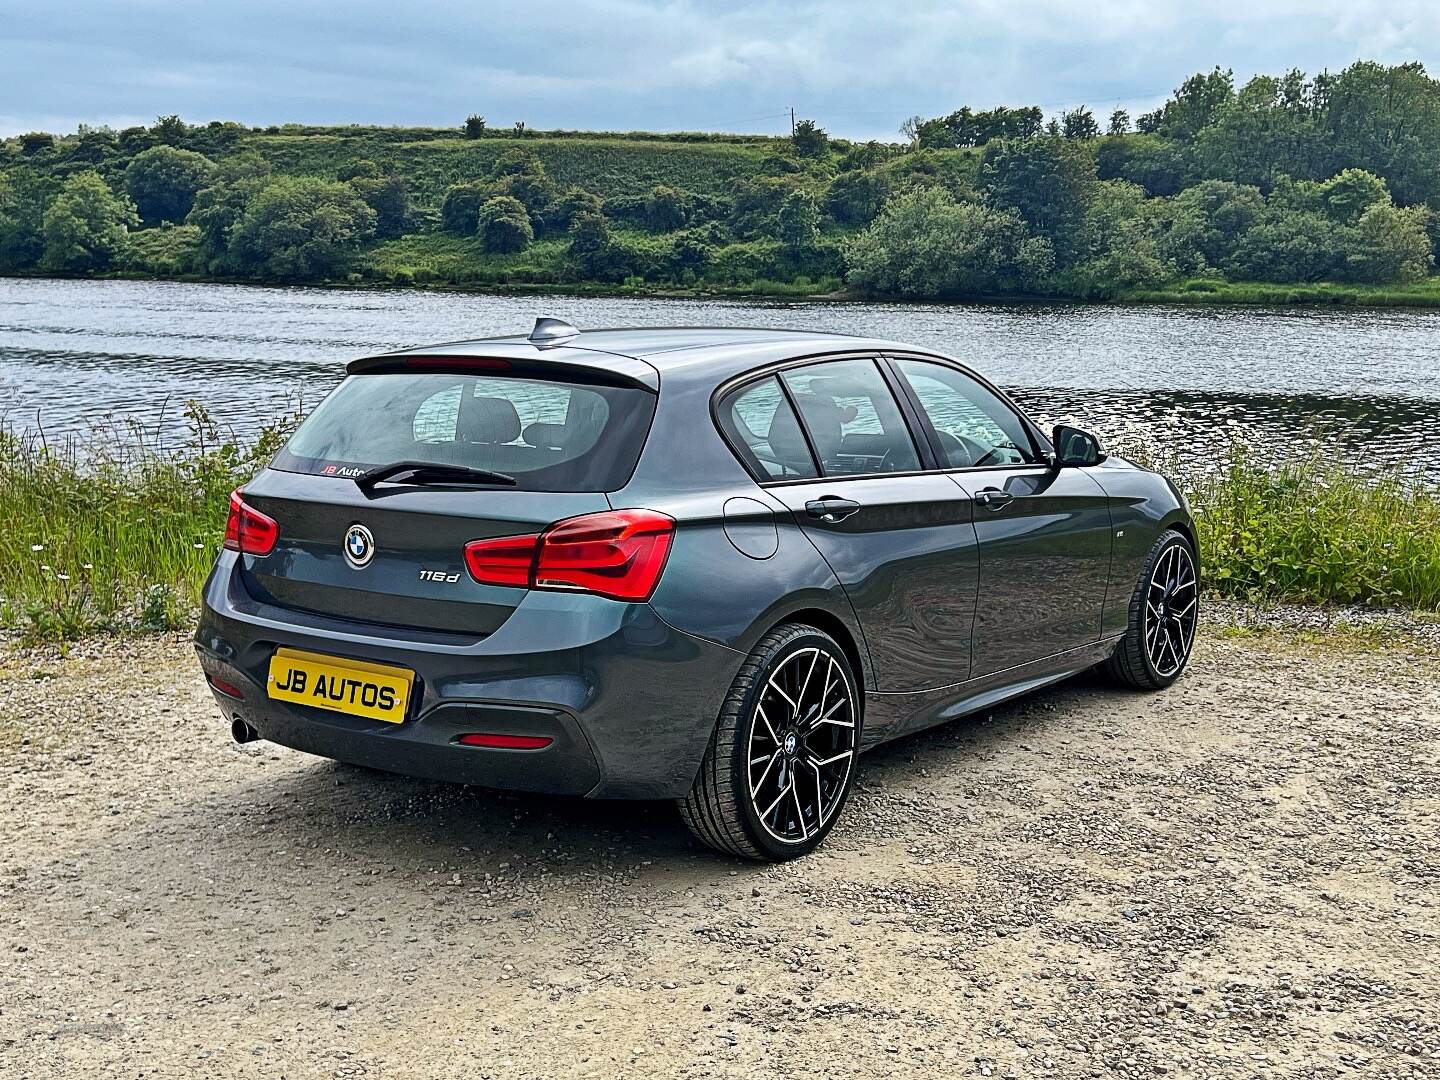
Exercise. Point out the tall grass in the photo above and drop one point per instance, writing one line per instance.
(94, 538)
(1213, 291)
(1316, 532)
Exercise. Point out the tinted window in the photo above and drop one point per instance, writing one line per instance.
(852, 418)
(763, 426)
(549, 435)
(975, 427)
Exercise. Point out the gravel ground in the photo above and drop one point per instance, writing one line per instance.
(1239, 877)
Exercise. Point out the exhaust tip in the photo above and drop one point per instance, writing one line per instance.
(242, 732)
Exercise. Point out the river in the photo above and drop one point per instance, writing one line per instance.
(117, 360)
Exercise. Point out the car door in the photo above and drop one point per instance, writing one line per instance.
(1044, 534)
(898, 537)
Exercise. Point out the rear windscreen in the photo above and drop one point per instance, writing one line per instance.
(549, 435)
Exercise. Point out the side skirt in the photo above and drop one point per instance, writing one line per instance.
(889, 716)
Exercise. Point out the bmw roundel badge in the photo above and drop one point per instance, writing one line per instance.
(359, 546)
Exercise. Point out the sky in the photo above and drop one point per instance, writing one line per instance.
(857, 67)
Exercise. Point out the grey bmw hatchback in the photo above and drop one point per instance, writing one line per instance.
(709, 565)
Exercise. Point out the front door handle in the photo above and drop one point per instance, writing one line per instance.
(993, 498)
(831, 508)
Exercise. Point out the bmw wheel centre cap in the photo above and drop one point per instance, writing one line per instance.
(359, 546)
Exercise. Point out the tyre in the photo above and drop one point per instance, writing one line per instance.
(1163, 614)
(781, 761)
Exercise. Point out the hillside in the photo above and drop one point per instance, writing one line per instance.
(1323, 190)
(609, 166)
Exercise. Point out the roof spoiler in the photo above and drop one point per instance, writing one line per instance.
(566, 364)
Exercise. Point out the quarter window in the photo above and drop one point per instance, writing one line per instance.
(763, 427)
(975, 427)
(853, 420)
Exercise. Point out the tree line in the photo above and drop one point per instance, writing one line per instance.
(1284, 179)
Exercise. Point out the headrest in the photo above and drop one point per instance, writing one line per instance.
(787, 442)
(825, 419)
(489, 420)
(547, 436)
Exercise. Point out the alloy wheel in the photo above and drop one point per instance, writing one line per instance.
(1171, 610)
(802, 745)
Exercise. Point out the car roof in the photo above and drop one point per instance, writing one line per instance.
(697, 351)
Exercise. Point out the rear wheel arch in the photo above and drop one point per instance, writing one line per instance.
(837, 628)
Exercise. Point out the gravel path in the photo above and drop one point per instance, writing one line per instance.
(1240, 877)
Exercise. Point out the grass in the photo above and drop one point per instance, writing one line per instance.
(609, 166)
(1311, 532)
(1214, 291)
(100, 540)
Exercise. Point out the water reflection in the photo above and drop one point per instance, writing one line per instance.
(1358, 384)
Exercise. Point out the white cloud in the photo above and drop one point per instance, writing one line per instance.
(857, 66)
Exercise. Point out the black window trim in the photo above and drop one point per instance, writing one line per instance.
(916, 422)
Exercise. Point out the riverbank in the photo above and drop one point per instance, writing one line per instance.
(1268, 294)
(386, 275)
(1229, 878)
(119, 539)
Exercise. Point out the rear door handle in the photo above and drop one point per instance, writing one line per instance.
(831, 508)
(993, 498)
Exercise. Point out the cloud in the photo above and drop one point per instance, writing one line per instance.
(857, 66)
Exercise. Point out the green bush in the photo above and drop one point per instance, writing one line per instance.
(924, 244)
(1288, 245)
(504, 225)
(167, 251)
(575, 200)
(390, 200)
(85, 226)
(1388, 245)
(797, 222)
(301, 228)
(667, 208)
(164, 181)
(23, 197)
(593, 253)
(460, 212)
(856, 197)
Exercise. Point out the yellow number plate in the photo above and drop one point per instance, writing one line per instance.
(354, 687)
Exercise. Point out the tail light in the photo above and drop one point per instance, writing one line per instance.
(247, 530)
(618, 554)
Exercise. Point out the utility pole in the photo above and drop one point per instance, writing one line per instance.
(792, 121)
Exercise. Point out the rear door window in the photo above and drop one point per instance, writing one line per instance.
(854, 423)
(550, 435)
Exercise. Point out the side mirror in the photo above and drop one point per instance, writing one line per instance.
(1075, 447)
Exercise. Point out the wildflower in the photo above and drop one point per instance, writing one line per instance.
(87, 566)
(62, 577)
(37, 547)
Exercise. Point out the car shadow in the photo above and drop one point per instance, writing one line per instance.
(307, 816)
(387, 816)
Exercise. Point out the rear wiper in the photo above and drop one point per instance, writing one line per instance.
(431, 474)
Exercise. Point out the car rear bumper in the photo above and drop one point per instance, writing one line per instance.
(628, 701)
